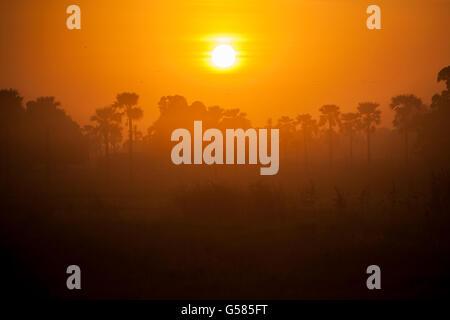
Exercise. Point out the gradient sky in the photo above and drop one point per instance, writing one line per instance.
(294, 55)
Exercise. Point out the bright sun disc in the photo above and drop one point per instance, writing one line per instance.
(223, 56)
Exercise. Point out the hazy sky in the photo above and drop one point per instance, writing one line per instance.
(293, 55)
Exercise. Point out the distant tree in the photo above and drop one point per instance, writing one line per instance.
(116, 137)
(54, 138)
(234, 119)
(350, 125)
(213, 116)
(308, 127)
(370, 118)
(11, 108)
(286, 125)
(330, 116)
(173, 113)
(127, 102)
(444, 75)
(434, 128)
(408, 109)
(11, 118)
(107, 123)
(93, 138)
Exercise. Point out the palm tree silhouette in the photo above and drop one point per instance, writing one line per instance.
(350, 125)
(407, 109)
(93, 138)
(107, 121)
(370, 118)
(127, 102)
(286, 126)
(308, 127)
(330, 115)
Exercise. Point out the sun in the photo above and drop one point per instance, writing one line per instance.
(223, 56)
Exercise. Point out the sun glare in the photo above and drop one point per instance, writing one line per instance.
(223, 56)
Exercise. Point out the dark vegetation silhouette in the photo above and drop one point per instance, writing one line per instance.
(350, 126)
(330, 117)
(309, 128)
(127, 102)
(141, 227)
(408, 109)
(370, 117)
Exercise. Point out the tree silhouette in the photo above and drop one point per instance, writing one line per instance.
(107, 123)
(11, 116)
(370, 118)
(330, 116)
(175, 112)
(127, 102)
(286, 126)
(234, 119)
(350, 125)
(444, 75)
(434, 129)
(308, 127)
(41, 109)
(54, 138)
(441, 102)
(93, 138)
(407, 109)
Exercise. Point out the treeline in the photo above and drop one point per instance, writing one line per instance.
(40, 133)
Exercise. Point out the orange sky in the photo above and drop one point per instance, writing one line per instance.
(294, 55)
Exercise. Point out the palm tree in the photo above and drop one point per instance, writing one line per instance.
(127, 102)
(370, 118)
(407, 109)
(309, 127)
(93, 140)
(350, 125)
(107, 121)
(330, 115)
(286, 126)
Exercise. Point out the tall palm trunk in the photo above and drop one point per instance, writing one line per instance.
(330, 129)
(47, 157)
(406, 147)
(107, 154)
(351, 148)
(106, 145)
(7, 160)
(305, 143)
(130, 146)
(368, 145)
